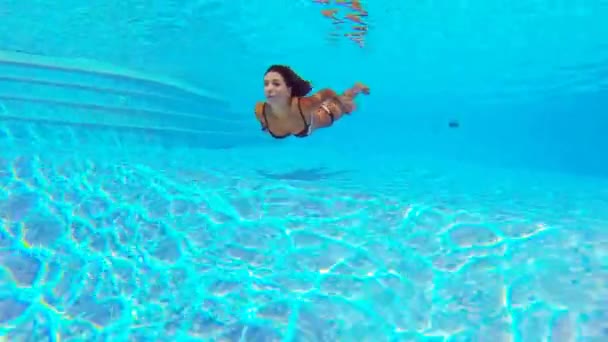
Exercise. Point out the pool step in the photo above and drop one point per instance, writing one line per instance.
(83, 92)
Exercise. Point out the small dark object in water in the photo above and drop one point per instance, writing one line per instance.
(453, 124)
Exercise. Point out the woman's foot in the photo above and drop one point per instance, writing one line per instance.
(361, 88)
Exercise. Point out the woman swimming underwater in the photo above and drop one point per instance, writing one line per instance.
(290, 112)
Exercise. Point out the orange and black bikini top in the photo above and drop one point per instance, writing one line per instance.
(303, 133)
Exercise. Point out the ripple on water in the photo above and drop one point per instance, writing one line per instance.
(19, 205)
(79, 330)
(250, 332)
(205, 326)
(24, 268)
(166, 249)
(562, 285)
(518, 228)
(11, 309)
(594, 324)
(563, 327)
(533, 324)
(6, 239)
(278, 311)
(23, 168)
(343, 286)
(37, 327)
(452, 261)
(100, 312)
(425, 244)
(469, 235)
(414, 268)
(176, 270)
(42, 229)
(425, 220)
(325, 318)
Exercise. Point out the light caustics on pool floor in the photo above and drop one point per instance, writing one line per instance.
(92, 250)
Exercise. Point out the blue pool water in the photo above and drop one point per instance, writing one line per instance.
(139, 200)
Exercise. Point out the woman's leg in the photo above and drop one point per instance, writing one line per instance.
(356, 90)
(348, 97)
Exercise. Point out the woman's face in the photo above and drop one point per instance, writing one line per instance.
(275, 89)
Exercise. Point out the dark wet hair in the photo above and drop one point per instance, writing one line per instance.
(299, 86)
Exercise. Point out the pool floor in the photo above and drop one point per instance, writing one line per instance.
(226, 246)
